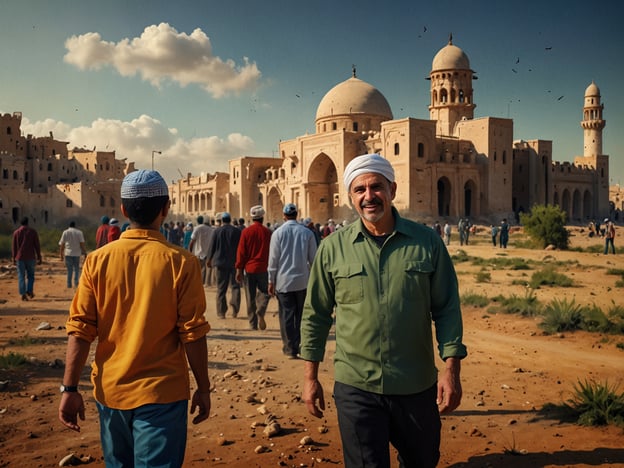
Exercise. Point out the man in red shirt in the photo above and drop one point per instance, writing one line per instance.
(24, 252)
(252, 263)
(101, 235)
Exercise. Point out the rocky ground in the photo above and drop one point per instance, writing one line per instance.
(512, 370)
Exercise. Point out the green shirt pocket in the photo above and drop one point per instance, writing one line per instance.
(349, 282)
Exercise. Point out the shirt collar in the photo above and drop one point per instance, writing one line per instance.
(358, 230)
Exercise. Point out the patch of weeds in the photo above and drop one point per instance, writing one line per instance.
(597, 404)
(461, 256)
(26, 341)
(615, 272)
(483, 276)
(12, 360)
(595, 320)
(619, 283)
(616, 315)
(526, 306)
(562, 315)
(519, 282)
(550, 277)
(620, 345)
(475, 300)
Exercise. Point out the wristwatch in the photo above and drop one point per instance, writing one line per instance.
(69, 388)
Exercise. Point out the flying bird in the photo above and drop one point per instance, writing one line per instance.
(518, 60)
(514, 70)
(548, 48)
(559, 98)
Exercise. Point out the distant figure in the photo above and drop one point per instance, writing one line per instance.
(71, 248)
(291, 254)
(241, 223)
(504, 233)
(188, 231)
(175, 234)
(114, 231)
(447, 233)
(200, 242)
(252, 262)
(461, 231)
(307, 222)
(222, 257)
(609, 236)
(494, 232)
(437, 228)
(25, 251)
(101, 235)
(141, 301)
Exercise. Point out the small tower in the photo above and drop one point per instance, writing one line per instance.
(592, 122)
(451, 88)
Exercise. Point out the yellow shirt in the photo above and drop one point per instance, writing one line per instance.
(143, 299)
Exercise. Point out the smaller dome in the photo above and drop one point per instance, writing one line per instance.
(592, 90)
(450, 57)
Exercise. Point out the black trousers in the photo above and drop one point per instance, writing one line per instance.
(369, 422)
(290, 312)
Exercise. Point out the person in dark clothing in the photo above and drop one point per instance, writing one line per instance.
(222, 256)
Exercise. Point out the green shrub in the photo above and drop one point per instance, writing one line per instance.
(12, 360)
(26, 340)
(473, 299)
(549, 277)
(483, 276)
(527, 306)
(595, 320)
(545, 224)
(562, 315)
(597, 404)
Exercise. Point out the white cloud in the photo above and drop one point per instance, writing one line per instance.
(163, 54)
(135, 141)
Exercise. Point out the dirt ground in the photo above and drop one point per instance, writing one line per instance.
(512, 370)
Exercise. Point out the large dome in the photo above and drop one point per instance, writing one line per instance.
(353, 96)
(592, 90)
(450, 57)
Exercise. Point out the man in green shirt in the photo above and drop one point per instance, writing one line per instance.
(385, 279)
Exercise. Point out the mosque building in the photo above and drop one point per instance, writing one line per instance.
(450, 166)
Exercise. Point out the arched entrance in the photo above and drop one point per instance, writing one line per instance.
(565, 202)
(444, 197)
(273, 207)
(470, 199)
(323, 190)
(576, 206)
(587, 205)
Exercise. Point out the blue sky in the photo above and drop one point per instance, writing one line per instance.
(206, 81)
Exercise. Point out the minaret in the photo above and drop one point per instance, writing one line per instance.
(451, 88)
(592, 122)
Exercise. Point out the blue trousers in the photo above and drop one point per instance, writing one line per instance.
(73, 269)
(369, 422)
(149, 436)
(25, 276)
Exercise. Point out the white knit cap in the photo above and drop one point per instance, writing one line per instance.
(365, 164)
(256, 212)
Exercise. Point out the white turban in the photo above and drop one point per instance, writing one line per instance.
(366, 164)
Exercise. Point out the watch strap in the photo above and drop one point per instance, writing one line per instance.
(69, 388)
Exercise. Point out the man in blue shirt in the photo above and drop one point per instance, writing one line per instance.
(291, 254)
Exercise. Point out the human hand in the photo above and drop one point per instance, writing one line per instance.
(313, 392)
(271, 289)
(201, 402)
(449, 387)
(71, 407)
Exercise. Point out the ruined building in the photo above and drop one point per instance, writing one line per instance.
(41, 179)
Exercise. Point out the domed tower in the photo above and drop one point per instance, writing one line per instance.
(451, 88)
(592, 122)
(353, 105)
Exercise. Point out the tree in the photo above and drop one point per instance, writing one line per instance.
(545, 224)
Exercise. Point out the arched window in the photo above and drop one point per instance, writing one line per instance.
(14, 175)
(49, 166)
(69, 204)
(443, 96)
(334, 126)
(396, 149)
(8, 130)
(102, 201)
(504, 157)
(462, 98)
(355, 126)
(421, 150)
